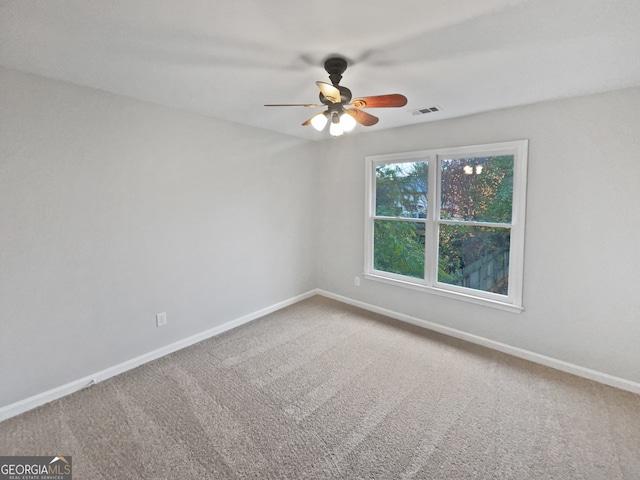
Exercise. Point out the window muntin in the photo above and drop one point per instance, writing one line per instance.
(450, 221)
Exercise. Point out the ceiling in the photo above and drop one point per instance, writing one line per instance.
(226, 58)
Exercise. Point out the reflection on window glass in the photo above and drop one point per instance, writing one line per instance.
(398, 247)
(477, 189)
(401, 190)
(474, 257)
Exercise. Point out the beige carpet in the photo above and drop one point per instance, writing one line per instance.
(322, 390)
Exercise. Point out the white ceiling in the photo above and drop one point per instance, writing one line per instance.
(226, 58)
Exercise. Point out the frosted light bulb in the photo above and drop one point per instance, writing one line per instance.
(319, 121)
(335, 129)
(347, 122)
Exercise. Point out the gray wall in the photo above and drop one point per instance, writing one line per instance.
(582, 252)
(112, 210)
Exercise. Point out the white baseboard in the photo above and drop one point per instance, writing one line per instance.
(561, 365)
(50, 395)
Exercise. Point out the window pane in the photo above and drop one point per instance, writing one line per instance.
(477, 189)
(398, 247)
(474, 257)
(401, 190)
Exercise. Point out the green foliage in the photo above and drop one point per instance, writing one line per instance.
(499, 182)
(401, 190)
(398, 248)
(485, 195)
(464, 248)
(481, 197)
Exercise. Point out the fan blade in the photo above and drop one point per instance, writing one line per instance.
(329, 91)
(363, 118)
(293, 105)
(380, 101)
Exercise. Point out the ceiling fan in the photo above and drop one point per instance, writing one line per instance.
(336, 97)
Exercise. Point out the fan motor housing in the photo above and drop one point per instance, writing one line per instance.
(335, 67)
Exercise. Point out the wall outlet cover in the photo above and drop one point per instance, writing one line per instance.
(161, 319)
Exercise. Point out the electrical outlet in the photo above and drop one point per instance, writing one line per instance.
(161, 319)
(357, 281)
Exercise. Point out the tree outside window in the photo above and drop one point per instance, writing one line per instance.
(445, 219)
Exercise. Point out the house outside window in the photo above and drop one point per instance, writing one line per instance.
(449, 221)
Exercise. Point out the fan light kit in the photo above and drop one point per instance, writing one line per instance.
(336, 98)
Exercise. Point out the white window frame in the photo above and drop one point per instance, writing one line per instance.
(513, 300)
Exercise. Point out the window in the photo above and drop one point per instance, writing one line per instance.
(449, 221)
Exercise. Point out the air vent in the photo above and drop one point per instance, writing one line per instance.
(424, 111)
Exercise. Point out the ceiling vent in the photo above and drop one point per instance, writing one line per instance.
(424, 111)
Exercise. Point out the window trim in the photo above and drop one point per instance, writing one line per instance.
(513, 300)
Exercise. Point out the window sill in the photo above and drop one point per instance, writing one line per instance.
(486, 302)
